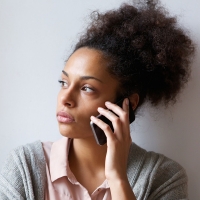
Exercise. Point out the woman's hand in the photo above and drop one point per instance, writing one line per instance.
(118, 145)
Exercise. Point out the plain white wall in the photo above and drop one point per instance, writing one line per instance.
(35, 39)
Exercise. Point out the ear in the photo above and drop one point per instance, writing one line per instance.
(134, 100)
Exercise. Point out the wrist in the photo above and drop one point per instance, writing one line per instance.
(116, 177)
(121, 189)
(118, 182)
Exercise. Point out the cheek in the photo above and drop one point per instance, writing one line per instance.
(91, 109)
(58, 99)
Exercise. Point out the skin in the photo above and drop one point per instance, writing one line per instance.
(87, 90)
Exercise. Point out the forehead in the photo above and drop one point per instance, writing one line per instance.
(88, 62)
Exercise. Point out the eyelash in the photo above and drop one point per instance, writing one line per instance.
(88, 88)
(84, 87)
(61, 83)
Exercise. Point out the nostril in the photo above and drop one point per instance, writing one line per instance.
(69, 104)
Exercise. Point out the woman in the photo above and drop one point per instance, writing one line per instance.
(133, 53)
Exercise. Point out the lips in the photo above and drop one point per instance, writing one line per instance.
(64, 117)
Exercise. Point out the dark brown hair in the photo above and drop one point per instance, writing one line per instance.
(146, 50)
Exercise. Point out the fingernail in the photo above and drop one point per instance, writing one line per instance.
(92, 117)
(107, 102)
(127, 101)
(100, 109)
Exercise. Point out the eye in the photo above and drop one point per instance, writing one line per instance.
(87, 89)
(63, 83)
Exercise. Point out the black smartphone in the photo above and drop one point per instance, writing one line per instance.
(99, 134)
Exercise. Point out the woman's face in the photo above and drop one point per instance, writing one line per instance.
(86, 86)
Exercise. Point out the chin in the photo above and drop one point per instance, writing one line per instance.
(76, 136)
(66, 132)
(73, 133)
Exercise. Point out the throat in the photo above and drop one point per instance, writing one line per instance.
(87, 162)
(87, 154)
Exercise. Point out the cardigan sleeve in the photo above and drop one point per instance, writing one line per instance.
(11, 181)
(168, 180)
(153, 176)
(23, 175)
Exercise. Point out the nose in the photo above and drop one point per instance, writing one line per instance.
(67, 98)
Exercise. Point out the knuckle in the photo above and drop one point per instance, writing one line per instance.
(117, 120)
(106, 127)
(125, 115)
(98, 120)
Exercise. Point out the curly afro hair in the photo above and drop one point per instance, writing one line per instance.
(146, 50)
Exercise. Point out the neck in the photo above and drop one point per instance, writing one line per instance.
(86, 153)
(87, 159)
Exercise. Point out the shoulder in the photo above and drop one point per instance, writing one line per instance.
(28, 150)
(159, 174)
(30, 155)
(25, 155)
(23, 169)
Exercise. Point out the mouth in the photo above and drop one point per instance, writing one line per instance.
(64, 117)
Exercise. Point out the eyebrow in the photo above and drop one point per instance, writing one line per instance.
(83, 77)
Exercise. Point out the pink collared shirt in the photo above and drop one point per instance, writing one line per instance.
(61, 182)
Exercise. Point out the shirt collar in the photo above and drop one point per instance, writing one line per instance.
(59, 158)
(59, 165)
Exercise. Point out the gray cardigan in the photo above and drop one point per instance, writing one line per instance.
(152, 176)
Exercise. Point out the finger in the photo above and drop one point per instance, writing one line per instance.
(105, 127)
(125, 105)
(125, 119)
(116, 121)
(123, 112)
(114, 107)
(120, 111)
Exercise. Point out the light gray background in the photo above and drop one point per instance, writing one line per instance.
(36, 37)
